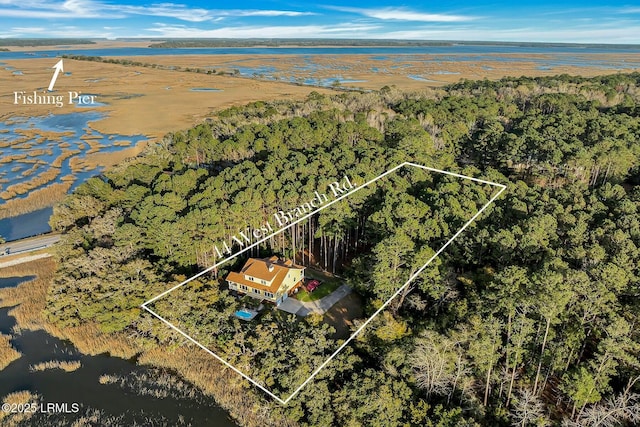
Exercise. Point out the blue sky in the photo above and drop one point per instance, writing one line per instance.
(583, 21)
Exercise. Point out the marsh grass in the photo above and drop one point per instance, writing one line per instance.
(92, 417)
(67, 366)
(10, 419)
(115, 157)
(89, 339)
(93, 141)
(39, 152)
(76, 164)
(57, 163)
(37, 199)
(28, 297)
(7, 353)
(228, 388)
(158, 383)
(12, 158)
(29, 171)
(19, 189)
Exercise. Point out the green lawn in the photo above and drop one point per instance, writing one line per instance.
(323, 290)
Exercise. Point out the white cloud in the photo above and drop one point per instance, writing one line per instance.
(275, 13)
(585, 34)
(401, 14)
(22, 3)
(625, 32)
(293, 31)
(79, 7)
(629, 10)
(28, 30)
(73, 9)
(170, 10)
(267, 13)
(62, 32)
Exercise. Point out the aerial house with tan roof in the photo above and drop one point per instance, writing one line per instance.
(271, 279)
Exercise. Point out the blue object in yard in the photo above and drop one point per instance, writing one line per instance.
(245, 314)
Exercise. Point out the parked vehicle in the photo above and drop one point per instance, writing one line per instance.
(312, 285)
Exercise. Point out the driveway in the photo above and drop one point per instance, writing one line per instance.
(290, 305)
(294, 306)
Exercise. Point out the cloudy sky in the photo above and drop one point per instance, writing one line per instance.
(539, 20)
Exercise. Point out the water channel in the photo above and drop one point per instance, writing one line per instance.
(82, 386)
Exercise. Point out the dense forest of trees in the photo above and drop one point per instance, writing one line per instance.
(530, 319)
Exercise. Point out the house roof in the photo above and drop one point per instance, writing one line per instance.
(272, 270)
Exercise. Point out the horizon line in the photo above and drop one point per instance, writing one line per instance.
(289, 39)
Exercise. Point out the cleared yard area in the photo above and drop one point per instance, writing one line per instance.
(328, 284)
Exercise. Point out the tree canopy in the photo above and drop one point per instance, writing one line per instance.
(529, 319)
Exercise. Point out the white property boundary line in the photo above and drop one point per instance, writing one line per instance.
(335, 353)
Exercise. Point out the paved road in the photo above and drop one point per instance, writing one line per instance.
(29, 245)
(294, 306)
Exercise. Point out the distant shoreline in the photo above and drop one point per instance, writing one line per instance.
(283, 43)
(46, 44)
